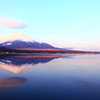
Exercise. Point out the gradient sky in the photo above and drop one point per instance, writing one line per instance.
(61, 23)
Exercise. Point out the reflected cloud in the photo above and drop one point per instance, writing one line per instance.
(21, 63)
(12, 23)
(12, 81)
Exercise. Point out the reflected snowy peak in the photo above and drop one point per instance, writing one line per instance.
(21, 63)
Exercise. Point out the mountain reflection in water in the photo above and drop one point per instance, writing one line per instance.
(21, 63)
(12, 81)
(59, 77)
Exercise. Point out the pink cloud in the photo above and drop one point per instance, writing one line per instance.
(12, 23)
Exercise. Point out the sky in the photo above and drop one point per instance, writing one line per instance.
(61, 23)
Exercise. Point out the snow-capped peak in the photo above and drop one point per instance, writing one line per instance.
(16, 36)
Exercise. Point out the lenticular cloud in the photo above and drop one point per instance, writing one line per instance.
(12, 23)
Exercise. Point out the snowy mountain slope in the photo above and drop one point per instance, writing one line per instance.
(16, 36)
(19, 40)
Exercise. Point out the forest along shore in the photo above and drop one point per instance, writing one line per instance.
(35, 50)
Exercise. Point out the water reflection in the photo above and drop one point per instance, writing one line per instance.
(12, 81)
(21, 63)
(60, 79)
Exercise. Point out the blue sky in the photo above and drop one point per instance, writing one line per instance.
(61, 23)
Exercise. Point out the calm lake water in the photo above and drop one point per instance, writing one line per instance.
(50, 77)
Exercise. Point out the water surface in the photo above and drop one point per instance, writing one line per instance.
(50, 77)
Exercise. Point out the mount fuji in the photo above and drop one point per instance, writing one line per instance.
(20, 43)
(20, 40)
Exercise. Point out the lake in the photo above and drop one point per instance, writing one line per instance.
(50, 77)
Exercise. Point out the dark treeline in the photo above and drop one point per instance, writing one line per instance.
(5, 50)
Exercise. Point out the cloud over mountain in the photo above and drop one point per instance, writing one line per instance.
(12, 23)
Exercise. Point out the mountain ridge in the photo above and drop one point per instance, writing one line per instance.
(20, 43)
(17, 36)
(20, 40)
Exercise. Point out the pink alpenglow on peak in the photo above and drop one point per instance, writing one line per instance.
(20, 40)
(12, 23)
(16, 36)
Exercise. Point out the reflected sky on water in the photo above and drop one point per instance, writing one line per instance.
(50, 77)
